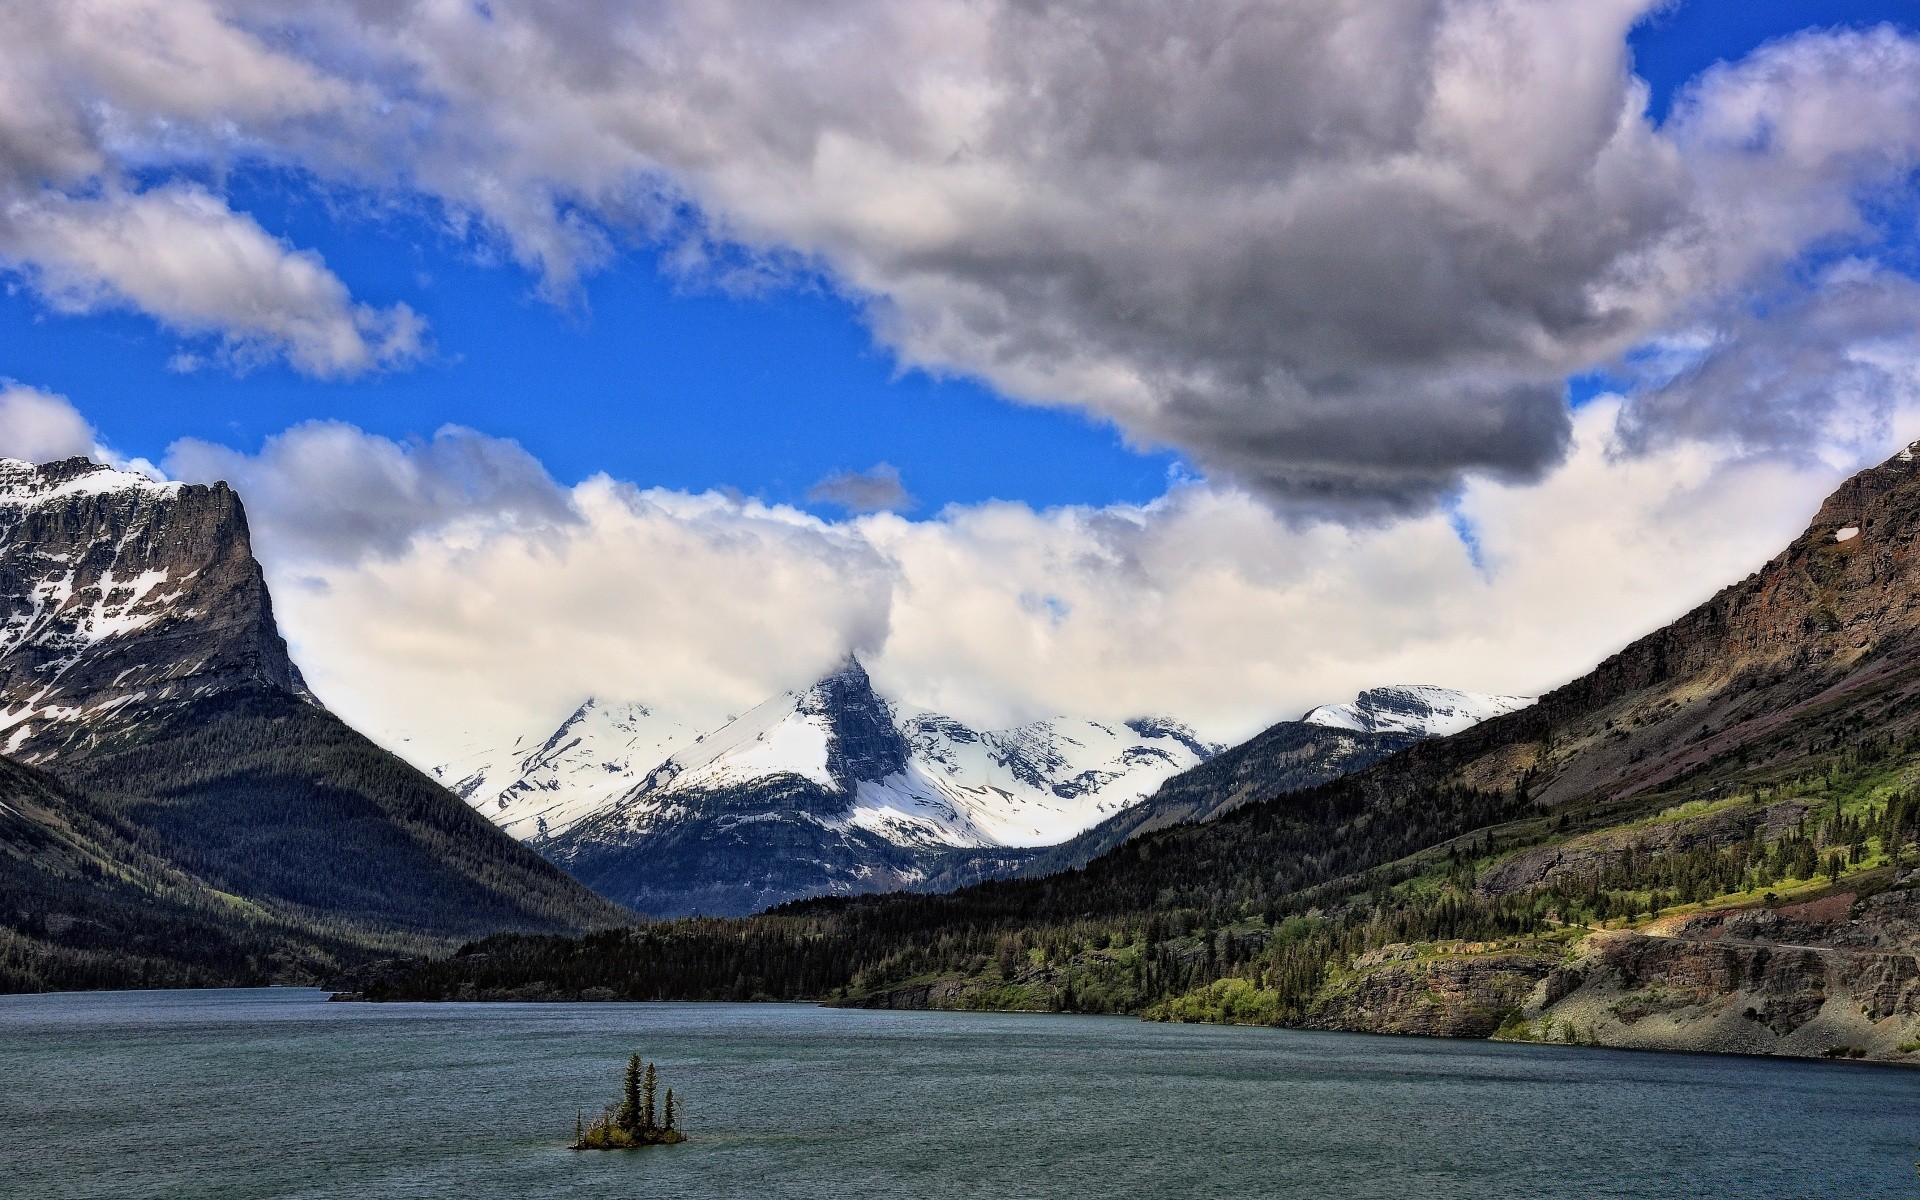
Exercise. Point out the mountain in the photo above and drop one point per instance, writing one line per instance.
(834, 789)
(1287, 757)
(538, 791)
(1329, 741)
(120, 594)
(1708, 842)
(1418, 709)
(142, 673)
(757, 812)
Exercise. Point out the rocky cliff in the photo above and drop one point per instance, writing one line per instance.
(186, 762)
(117, 594)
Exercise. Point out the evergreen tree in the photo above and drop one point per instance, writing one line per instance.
(646, 1115)
(669, 1108)
(632, 1114)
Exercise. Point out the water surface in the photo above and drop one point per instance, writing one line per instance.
(277, 1093)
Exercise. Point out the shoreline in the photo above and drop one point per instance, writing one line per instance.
(1438, 1039)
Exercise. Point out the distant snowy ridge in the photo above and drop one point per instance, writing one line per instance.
(1415, 708)
(909, 775)
(539, 790)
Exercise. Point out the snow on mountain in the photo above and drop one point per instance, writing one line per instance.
(1035, 785)
(1415, 708)
(835, 790)
(917, 778)
(122, 593)
(909, 775)
(537, 790)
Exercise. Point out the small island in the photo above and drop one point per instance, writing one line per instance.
(630, 1122)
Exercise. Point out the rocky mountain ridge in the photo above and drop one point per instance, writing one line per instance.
(183, 764)
(119, 593)
(1420, 709)
(864, 793)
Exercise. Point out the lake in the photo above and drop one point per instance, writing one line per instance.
(278, 1093)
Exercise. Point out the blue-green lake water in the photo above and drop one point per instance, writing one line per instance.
(277, 1093)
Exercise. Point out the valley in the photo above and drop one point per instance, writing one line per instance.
(1709, 842)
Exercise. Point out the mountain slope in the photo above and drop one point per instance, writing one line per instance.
(140, 665)
(539, 791)
(88, 907)
(828, 790)
(1287, 757)
(1419, 709)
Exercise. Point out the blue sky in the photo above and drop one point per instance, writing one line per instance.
(657, 382)
(1344, 265)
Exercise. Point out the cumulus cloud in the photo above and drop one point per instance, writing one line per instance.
(479, 626)
(703, 605)
(1830, 373)
(182, 256)
(329, 492)
(39, 427)
(876, 489)
(1343, 255)
(95, 91)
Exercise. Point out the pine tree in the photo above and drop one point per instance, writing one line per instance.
(669, 1109)
(646, 1116)
(632, 1115)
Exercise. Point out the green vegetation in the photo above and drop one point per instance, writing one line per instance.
(633, 1120)
(1257, 917)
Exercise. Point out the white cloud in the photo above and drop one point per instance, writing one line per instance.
(491, 621)
(326, 491)
(39, 427)
(181, 255)
(94, 91)
(1342, 254)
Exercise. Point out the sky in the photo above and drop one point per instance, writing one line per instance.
(1214, 358)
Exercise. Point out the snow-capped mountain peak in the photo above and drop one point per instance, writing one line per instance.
(908, 775)
(125, 593)
(1420, 709)
(599, 753)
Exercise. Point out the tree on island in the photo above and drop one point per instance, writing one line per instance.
(630, 1122)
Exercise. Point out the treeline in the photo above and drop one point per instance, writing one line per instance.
(1146, 923)
(1247, 916)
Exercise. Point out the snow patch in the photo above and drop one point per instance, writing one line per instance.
(1420, 709)
(1847, 534)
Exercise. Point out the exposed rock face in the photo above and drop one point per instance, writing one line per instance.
(864, 743)
(120, 593)
(140, 667)
(1394, 990)
(1837, 976)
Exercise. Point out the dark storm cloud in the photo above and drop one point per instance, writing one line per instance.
(1344, 253)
